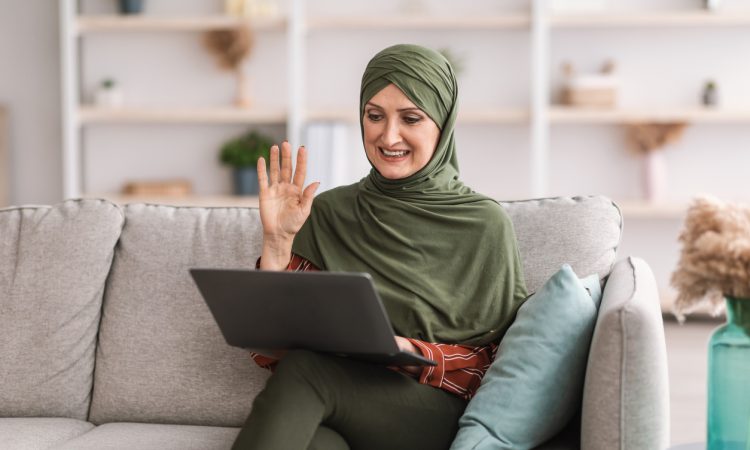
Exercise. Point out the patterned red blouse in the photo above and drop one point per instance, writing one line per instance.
(459, 369)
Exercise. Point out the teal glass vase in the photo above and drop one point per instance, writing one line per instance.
(729, 380)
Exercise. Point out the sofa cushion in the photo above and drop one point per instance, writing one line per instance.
(581, 231)
(161, 357)
(533, 388)
(626, 397)
(39, 433)
(54, 261)
(129, 436)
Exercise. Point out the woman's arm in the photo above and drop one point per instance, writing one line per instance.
(459, 369)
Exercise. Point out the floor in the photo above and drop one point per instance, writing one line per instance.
(686, 354)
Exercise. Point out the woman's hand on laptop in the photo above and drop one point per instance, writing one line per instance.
(284, 204)
(405, 345)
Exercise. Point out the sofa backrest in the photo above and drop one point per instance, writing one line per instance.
(581, 231)
(161, 357)
(54, 262)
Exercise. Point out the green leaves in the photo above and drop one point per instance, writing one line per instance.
(246, 150)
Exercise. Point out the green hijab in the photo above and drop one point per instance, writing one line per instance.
(444, 258)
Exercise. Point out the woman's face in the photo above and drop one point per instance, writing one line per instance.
(399, 137)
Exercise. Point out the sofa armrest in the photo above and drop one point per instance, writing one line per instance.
(626, 393)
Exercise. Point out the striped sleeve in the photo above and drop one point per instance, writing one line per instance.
(296, 264)
(459, 369)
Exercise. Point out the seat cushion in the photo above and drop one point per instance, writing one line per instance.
(39, 433)
(54, 262)
(161, 357)
(129, 436)
(581, 231)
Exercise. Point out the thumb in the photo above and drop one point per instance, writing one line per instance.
(307, 196)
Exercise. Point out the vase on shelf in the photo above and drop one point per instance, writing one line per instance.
(131, 6)
(655, 175)
(245, 181)
(729, 379)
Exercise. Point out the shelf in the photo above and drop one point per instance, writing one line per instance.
(94, 115)
(465, 116)
(508, 21)
(91, 24)
(563, 115)
(642, 209)
(191, 200)
(656, 19)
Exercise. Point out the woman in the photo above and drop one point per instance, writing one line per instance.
(443, 258)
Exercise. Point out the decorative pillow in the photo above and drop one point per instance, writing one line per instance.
(535, 385)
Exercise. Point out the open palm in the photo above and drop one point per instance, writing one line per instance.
(284, 202)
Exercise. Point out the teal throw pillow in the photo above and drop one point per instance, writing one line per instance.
(535, 385)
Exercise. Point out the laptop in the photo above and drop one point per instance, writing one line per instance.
(327, 312)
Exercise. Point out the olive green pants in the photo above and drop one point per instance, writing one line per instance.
(322, 402)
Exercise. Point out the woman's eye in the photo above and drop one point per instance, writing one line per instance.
(412, 119)
(374, 117)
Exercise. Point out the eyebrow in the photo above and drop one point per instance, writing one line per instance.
(411, 108)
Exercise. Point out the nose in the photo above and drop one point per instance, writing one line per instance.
(391, 134)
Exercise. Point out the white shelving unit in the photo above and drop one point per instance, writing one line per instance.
(539, 115)
(75, 26)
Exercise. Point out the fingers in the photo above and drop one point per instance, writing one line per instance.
(274, 164)
(286, 162)
(307, 196)
(301, 170)
(262, 176)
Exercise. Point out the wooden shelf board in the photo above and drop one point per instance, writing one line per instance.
(562, 115)
(643, 209)
(465, 116)
(508, 21)
(191, 200)
(89, 24)
(93, 115)
(655, 19)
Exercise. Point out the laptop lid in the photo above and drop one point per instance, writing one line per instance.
(322, 311)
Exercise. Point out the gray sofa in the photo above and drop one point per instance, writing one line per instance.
(106, 344)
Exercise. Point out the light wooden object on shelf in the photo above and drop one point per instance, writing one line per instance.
(170, 188)
(4, 163)
(97, 24)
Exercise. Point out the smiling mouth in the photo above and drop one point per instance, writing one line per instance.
(394, 153)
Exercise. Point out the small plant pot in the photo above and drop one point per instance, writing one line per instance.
(245, 181)
(131, 6)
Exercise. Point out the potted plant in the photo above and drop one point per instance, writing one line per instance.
(242, 154)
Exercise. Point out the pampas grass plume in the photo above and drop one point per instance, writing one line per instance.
(715, 257)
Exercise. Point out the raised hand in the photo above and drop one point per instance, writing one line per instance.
(284, 204)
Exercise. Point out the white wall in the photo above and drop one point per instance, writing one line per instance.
(658, 67)
(30, 90)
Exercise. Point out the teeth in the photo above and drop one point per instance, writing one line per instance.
(399, 153)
